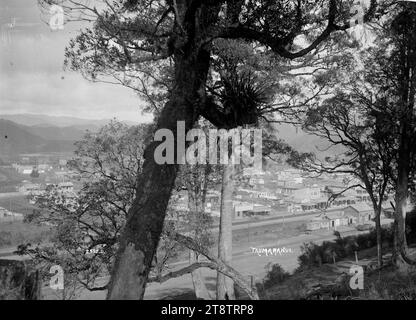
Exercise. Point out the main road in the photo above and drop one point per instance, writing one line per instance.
(247, 262)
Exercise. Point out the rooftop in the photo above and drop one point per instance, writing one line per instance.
(360, 207)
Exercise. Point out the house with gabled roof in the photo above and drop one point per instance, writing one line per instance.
(319, 222)
(353, 215)
(359, 213)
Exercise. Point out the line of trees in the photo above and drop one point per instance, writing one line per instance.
(369, 116)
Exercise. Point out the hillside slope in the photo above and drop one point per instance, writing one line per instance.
(43, 120)
(305, 142)
(56, 133)
(15, 139)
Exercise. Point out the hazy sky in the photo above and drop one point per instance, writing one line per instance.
(32, 79)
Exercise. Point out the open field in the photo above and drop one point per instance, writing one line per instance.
(17, 203)
(246, 262)
(15, 233)
(255, 233)
(9, 179)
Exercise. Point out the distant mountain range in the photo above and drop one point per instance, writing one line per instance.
(305, 142)
(16, 139)
(35, 133)
(30, 133)
(41, 120)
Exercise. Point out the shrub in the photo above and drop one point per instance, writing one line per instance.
(313, 255)
(392, 286)
(364, 227)
(275, 275)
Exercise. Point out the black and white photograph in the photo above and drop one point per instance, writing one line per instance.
(208, 150)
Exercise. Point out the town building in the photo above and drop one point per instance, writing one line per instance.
(305, 194)
(360, 213)
(30, 188)
(353, 215)
(245, 209)
(66, 187)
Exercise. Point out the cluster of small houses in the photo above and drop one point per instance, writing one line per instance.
(286, 193)
(27, 169)
(53, 172)
(265, 191)
(35, 189)
(352, 215)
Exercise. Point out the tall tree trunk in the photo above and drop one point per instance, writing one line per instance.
(401, 197)
(140, 237)
(197, 185)
(225, 286)
(219, 265)
(377, 207)
(201, 291)
(405, 28)
(377, 211)
(378, 237)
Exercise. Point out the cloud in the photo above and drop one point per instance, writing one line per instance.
(67, 94)
(32, 79)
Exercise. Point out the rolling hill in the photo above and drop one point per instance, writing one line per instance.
(35, 133)
(56, 133)
(305, 142)
(16, 139)
(30, 133)
(41, 120)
